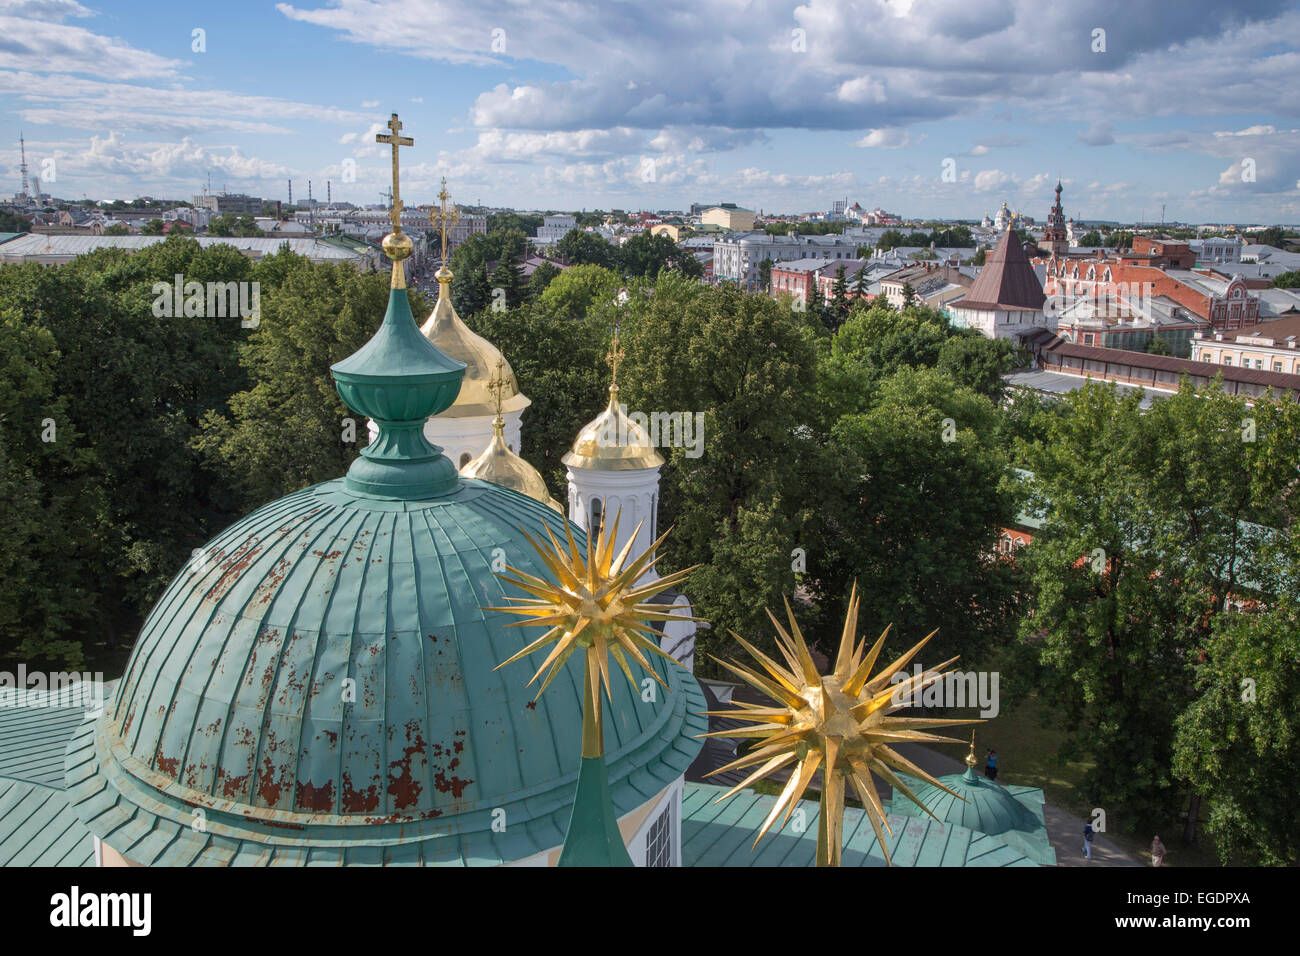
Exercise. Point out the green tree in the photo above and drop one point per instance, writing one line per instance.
(645, 255)
(51, 539)
(978, 363)
(1142, 546)
(508, 277)
(154, 227)
(471, 292)
(1158, 346)
(1287, 280)
(838, 308)
(1091, 238)
(1272, 236)
(579, 289)
(118, 229)
(1238, 743)
(541, 279)
(579, 248)
(12, 222)
(765, 275)
(744, 364)
(890, 239)
(912, 495)
(136, 383)
(909, 294)
(513, 222)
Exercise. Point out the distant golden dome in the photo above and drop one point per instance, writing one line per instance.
(501, 466)
(445, 329)
(612, 442)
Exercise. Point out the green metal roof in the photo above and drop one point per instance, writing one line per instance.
(231, 699)
(721, 835)
(1012, 814)
(37, 827)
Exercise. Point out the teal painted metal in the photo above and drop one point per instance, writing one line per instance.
(233, 701)
(722, 834)
(37, 825)
(38, 828)
(593, 837)
(33, 739)
(1012, 814)
(398, 379)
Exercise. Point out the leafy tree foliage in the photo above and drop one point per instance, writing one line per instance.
(513, 222)
(576, 290)
(746, 365)
(581, 248)
(1238, 743)
(1142, 547)
(129, 389)
(645, 255)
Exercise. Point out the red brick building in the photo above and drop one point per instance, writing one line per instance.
(1152, 268)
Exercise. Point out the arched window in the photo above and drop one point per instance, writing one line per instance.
(464, 460)
(597, 514)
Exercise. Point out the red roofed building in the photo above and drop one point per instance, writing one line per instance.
(1154, 268)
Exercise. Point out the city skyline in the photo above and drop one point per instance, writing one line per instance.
(925, 108)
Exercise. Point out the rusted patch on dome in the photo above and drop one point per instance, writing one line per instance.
(317, 799)
(359, 801)
(403, 787)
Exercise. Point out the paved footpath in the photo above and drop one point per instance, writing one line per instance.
(1064, 830)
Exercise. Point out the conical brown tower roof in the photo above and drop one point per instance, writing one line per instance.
(1007, 280)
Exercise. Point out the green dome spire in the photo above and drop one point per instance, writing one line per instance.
(398, 379)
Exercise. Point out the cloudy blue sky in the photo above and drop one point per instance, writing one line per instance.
(599, 103)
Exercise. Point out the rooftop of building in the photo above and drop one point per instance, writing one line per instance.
(35, 245)
(1276, 332)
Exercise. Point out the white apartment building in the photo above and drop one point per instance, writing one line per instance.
(737, 256)
(555, 228)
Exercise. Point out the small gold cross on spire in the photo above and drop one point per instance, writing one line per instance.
(497, 386)
(395, 140)
(443, 219)
(614, 357)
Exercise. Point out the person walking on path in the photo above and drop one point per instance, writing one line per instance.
(1157, 851)
(991, 764)
(1087, 840)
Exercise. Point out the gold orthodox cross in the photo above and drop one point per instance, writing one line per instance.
(394, 140)
(498, 384)
(614, 356)
(444, 219)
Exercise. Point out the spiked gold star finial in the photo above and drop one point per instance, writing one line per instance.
(838, 723)
(594, 605)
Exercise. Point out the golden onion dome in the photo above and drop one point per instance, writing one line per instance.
(445, 329)
(501, 466)
(612, 442)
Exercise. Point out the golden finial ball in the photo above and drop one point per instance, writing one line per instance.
(398, 245)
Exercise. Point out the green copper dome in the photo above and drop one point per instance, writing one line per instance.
(985, 807)
(319, 685)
